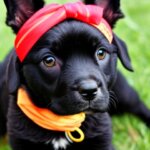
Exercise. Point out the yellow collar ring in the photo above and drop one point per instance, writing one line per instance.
(71, 138)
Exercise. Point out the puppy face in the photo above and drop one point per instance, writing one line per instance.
(69, 70)
(72, 67)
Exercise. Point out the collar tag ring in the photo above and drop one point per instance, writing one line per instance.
(71, 138)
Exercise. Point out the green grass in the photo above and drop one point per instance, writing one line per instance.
(129, 132)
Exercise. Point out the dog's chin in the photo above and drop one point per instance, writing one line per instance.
(92, 110)
(87, 108)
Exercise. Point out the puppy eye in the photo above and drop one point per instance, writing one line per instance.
(49, 61)
(101, 53)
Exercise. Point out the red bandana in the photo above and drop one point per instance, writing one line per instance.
(53, 14)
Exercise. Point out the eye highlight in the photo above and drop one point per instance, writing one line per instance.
(101, 53)
(49, 61)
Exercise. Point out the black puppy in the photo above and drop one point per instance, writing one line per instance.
(71, 69)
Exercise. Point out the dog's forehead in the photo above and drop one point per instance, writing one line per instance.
(69, 37)
(73, 32)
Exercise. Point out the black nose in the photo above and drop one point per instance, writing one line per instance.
(88, 89)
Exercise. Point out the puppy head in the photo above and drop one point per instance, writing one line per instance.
(70, 69)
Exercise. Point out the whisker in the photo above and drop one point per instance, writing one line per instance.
(113, 100)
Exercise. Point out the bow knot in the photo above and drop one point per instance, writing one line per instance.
(85, 13)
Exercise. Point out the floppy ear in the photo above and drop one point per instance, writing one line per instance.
(12, 73)
(122, 52)
(18, 11)
(112, 11)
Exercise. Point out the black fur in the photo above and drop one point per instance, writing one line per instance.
(66, 87)
(128, 101)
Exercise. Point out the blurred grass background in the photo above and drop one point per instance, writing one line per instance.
(129, 133)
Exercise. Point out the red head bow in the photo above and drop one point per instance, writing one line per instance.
(51, 15)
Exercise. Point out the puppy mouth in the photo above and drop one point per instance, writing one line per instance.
(96, 108)
(90, 111)
(76, 103)
(99, 105)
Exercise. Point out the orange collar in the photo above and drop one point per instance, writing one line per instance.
(48, 120)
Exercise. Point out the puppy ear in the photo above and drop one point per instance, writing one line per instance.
(18, 11)
(12, 73)
(112, 11)
(123, 53)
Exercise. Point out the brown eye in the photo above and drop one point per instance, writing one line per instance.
(101, 53)
(49, 61)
